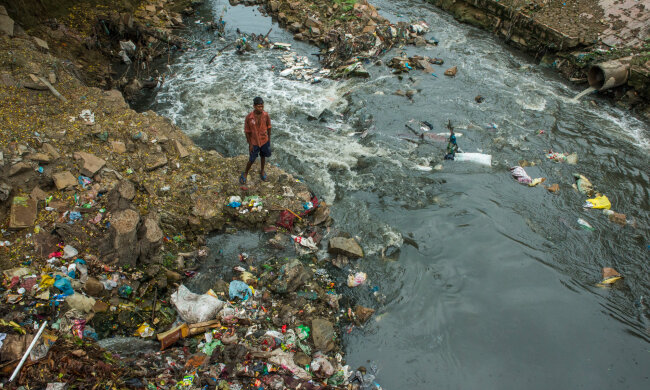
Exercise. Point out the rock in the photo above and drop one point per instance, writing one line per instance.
(63, 180)
(322, 213)
(295, 27)
(123, 229)
(23, 212)
(363, 313)
(155, 161)
(205, 208)
(345, 246)
(180, 149)
(115, 97)
(451, 71)
(126, 190)
(479, 99)
(322, 333)
(274, 5)
(118, 147)
(91, 163)
(39, 157)
(301, 359)
(315, 31)
(5, 190)
(151, 239)
(50, 150)
(93, 287)
(19, 168)
(38, 194)
(7, 25)
(51, 77)
(41, 44)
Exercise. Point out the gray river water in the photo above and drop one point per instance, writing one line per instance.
(501, 291)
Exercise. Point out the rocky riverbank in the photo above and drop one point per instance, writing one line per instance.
(104, 215)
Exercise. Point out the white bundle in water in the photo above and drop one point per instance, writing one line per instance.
(479, 158)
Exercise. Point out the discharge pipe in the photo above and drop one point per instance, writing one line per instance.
(608, 74)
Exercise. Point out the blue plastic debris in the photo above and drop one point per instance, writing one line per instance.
(63, 284)
(239, 289)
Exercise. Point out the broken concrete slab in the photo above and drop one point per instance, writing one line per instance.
(38, 194)
(39, 157)
(51, 150)
(91, 163)
(64, 179)
(19, 168)
(23, 212)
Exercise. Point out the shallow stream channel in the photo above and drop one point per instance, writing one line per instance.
(477, 281)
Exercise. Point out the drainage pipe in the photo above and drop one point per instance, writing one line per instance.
(608, 74)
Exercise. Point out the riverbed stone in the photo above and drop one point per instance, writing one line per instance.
(63, 180)
(345, 246)
(322, 334)
(451, 71)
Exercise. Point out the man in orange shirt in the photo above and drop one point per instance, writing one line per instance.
(257, 127)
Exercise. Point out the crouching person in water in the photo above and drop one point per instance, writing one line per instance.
(452, 146)
(257, 128)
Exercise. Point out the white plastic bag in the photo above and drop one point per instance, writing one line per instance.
(195, 308)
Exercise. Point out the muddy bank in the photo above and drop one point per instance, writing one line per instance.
(572, 37)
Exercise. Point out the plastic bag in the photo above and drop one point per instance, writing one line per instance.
(69, 251)
(239, 289)
(357, 279)
(520, 174)
(599, 202)
(63, 284)
(195, 308)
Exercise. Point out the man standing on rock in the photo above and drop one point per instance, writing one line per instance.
(257, 127)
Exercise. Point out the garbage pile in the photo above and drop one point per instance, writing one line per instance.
(348, 32)
(299, 68)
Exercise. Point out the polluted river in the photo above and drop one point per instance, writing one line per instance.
(478, 281)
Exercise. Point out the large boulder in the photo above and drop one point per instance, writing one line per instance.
(345, 246)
